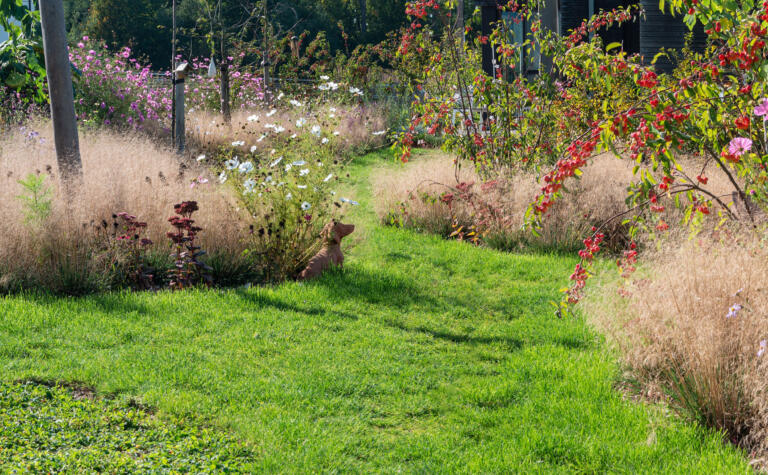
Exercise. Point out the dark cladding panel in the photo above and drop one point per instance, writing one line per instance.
(660, 30)
(572, 13)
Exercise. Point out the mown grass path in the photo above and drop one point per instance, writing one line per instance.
(423, 355)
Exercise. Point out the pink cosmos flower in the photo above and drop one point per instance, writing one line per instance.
(739, 146)
(762, 109)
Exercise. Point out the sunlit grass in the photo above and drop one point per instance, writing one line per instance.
(423, 355)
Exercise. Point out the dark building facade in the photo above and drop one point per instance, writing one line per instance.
(646, 36)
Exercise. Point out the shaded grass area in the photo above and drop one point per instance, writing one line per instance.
(423, 355)
(45, 429)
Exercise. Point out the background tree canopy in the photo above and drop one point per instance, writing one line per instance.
(145, 25)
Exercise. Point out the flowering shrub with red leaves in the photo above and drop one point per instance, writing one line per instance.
(188, 268)
(510, 120)
(711, 110)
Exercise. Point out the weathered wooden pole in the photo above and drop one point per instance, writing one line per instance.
(173, 72)
(180, 75)
(59, 74)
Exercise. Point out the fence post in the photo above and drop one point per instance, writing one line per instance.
(178, 93)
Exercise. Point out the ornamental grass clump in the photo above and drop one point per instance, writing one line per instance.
(691, 325)
(73, 247)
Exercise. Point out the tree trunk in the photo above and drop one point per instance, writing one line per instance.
(60, 88)
(363, 18)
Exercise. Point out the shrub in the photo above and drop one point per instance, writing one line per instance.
(187, 266)
(114, 88)
(692, 326)
(124, 258)
(289, 194)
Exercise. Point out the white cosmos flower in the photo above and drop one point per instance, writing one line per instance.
(288, 167)
(324, 78)
(245, 167)
(380, 132)
(263, 136)
(304, 172)
(289, 196)
(249, 185)
(333, 193)
(223, 177)
(294, 136)
(200, 158)
(295, 103)
(272, 152)
(316, 130)
(268, 179)
(253, 118)
(336, 133)
(299, 163)
(301, 122)
(232, 163)
(273, 164)
(324, 141)
(272, 112)
(332, 115)
(332, 109)
(328, 178)
(305, 206)
(279, 129)
(355, 91)
(280, 96)
(333, 85)
(238, 143)
(301, 187)
(270, 126)
(254, 148)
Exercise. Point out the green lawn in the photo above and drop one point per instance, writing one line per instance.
(423, 355)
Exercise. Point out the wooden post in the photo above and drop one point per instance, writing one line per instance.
(178, 88)
(173, 72)
(226, 113)
(59, 74)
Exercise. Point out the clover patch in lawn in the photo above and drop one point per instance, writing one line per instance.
(54, 428)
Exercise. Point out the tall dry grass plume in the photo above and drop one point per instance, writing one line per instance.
(122, 173)
(410, 197)
(594, 199)
(692, 328)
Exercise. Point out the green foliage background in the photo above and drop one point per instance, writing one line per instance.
(145, 25)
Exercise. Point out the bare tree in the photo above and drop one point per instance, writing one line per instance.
(222, 32)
